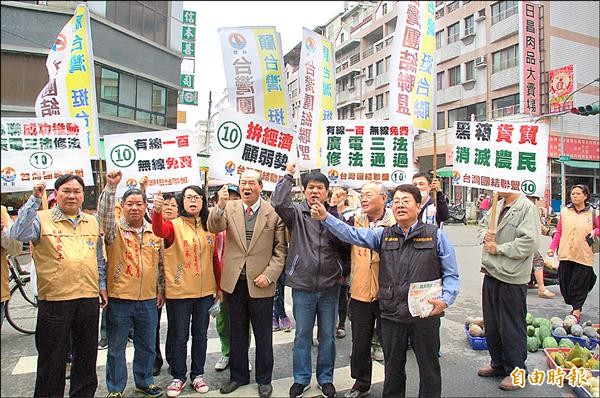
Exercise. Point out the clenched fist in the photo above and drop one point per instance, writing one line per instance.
(223, 197)
(39, 189)
(114, 178)
(143, 184)
(291, 168)
(159, 201)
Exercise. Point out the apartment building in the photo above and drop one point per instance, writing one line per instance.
(478, 72)
(137, 61)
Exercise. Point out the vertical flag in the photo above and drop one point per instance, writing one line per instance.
(71, 89)
(316, 78)
(412, 65)
(255, 74)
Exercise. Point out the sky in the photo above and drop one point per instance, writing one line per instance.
(287, 16)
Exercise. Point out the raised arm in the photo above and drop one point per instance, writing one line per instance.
(281, 199)
(106, 206)
(162, 228)
(217, 218)
(27, 225)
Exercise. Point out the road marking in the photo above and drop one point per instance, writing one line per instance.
(28, 364)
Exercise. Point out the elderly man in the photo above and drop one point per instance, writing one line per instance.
(313, 271)
(364, 305)
(135, 279)
(255, 250)
(71, 272)
(506, 257)
(410, 252)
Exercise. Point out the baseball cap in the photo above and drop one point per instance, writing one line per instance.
(233, 187)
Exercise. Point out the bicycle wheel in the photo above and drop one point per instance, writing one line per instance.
(21, 309)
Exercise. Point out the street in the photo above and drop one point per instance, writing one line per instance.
(458, 361)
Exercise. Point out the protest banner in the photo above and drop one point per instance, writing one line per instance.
(501, 156)
(255, 72)
(245, 142)
(317, 95)
(358, 151)
(71, 89)
(167, 157)
(41, 150)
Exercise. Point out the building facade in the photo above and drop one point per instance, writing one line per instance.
(479, 73)
(137, 61)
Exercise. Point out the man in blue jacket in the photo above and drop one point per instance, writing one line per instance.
(313, 268)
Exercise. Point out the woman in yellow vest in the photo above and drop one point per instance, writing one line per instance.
(191, 281)
(576, 268)
(10, 247)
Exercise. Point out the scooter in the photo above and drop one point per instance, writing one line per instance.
(457, 214)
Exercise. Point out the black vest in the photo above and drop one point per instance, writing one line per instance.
(405, 260)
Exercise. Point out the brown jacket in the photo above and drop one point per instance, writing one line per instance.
(264, 255)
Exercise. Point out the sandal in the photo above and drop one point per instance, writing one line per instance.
(546, 294)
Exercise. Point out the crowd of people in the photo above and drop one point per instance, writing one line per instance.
(233, 259)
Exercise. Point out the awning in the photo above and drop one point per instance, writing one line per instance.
(444, 171)
(583, 164)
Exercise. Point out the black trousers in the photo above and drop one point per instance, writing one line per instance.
(158, 359)
(424, 335)
(56, 319)
(343, 306)
(242, 310)
(576, 281)
(364, 316)
(504, 311)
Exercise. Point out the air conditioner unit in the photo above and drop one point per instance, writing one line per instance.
(480, 15)
(480, 62)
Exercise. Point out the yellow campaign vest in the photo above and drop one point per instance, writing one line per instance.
(4, 259)
(189, 261)
(65, 258)
(132, 269)
(573, 246)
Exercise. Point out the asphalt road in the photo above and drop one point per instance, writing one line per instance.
(458, 361)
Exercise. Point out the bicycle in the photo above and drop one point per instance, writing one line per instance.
(21, 309)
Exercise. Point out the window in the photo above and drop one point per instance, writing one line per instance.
(370, 72)
(469, 25)
(464, 113)
(505, 58)
(440, 80)
(146, 18)
(505, 106)
(454, 76)
(379, 101)
(370, 104)
(470, 70)
(439, 37)
(379, 68)
(503, 9)
(342, 37)
(452, 6)
(129, 97)
(453, 33)
(384, 9)
(441, 122)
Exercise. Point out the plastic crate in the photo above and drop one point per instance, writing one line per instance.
(576, 339)
(477, 343)
(565, 351)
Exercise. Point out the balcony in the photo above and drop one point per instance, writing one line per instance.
(349, 43)
(507, 111)
(505, 78)
(449, 94)
(381, 80)
(346, 97)
(448, 52)
(353, 57)
(361, 23)
(504, 27)
(381, 114)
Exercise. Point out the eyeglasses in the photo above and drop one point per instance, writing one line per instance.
(192, 198)
(369, 196)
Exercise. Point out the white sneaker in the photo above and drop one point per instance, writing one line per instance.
(222, 363)
(200, 385)
(175, 388)
(249, 367)
(377, 353)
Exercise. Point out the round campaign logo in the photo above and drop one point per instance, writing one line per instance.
(41, 160)
(333, 175)
(310, 45)
(398, 176)
(122, 155)
(8, 174)
(455, 177)
(237, 41)
(131, 183)
(229, 167)
(229, 135)
(528, 187)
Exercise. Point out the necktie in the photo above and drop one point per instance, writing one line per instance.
(248, 212)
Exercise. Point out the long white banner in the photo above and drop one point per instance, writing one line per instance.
(501, 156)
(167, 157)
(359, 151)
(42, 149)
(245, 142)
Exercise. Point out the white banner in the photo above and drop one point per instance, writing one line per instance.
(255, 72)
(41, 150)
(501, 156)
(167, 157)
(245, 142)
(317, 95)
(71, 89)
(358, 151)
